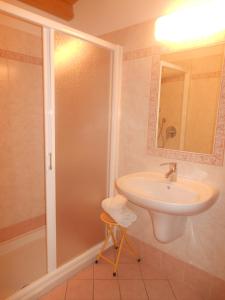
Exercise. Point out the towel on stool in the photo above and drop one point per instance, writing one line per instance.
(116, 207)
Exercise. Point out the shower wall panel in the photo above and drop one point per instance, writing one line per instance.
(82, 83)
(22, 179)
(22, 205)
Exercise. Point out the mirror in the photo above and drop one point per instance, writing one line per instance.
(186, 93)
(171, 104)
(188, 99)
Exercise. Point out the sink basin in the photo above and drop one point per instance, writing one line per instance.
(153, 191)
(168, 202)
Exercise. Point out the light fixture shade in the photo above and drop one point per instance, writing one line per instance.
(192, 23)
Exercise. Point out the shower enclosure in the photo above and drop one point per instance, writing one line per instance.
(58, 145)
(82, 106)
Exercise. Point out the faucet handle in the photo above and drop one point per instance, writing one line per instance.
(171, 164)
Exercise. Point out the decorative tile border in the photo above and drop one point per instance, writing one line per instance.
(21, 57)
(140, 53)
(206, 75)
(176, 78)
(173, 79)
(219, 142)
(21, 228)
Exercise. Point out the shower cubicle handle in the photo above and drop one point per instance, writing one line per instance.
(50, 161)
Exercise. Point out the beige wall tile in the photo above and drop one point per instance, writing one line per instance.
(194, 246)
(22, 127)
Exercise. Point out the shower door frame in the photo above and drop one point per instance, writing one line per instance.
(49, 27)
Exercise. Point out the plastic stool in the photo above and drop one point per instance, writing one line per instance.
(111, 225)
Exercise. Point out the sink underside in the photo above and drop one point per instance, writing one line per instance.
(166, 227)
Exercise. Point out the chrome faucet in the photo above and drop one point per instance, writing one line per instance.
(172, 173)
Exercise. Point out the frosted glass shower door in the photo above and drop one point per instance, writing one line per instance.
(82, 105)
(22, 156)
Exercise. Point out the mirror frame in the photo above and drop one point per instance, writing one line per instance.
(217, 156)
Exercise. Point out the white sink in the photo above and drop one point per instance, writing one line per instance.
(168, 202)
(154, 192)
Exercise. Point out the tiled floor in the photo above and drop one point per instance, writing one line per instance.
(135, 281)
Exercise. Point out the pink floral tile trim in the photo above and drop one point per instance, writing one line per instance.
(21, 57)
(140, 53)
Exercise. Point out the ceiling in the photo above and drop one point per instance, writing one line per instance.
(102, 16)
(98, 17)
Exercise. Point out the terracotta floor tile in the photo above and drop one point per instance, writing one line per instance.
(127, 258)
(198, 280)
(135, 243)
(129, 271)
(110, 253)
(151, 272)
(151, 255)
(132, 290)
(184, 292)
(57, 293)
(103, 271)
(79, 289)
(106, 290)
(159, 289)
(137, 282)
(218, 289)
(87, 273)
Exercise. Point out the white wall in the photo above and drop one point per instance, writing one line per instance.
(203, 243)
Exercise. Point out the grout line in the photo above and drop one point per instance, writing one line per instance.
(93, 282)
(139, 266)
(65, 296)
(146, 290)
(119, 289)
(124, 279)
(172, 289)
